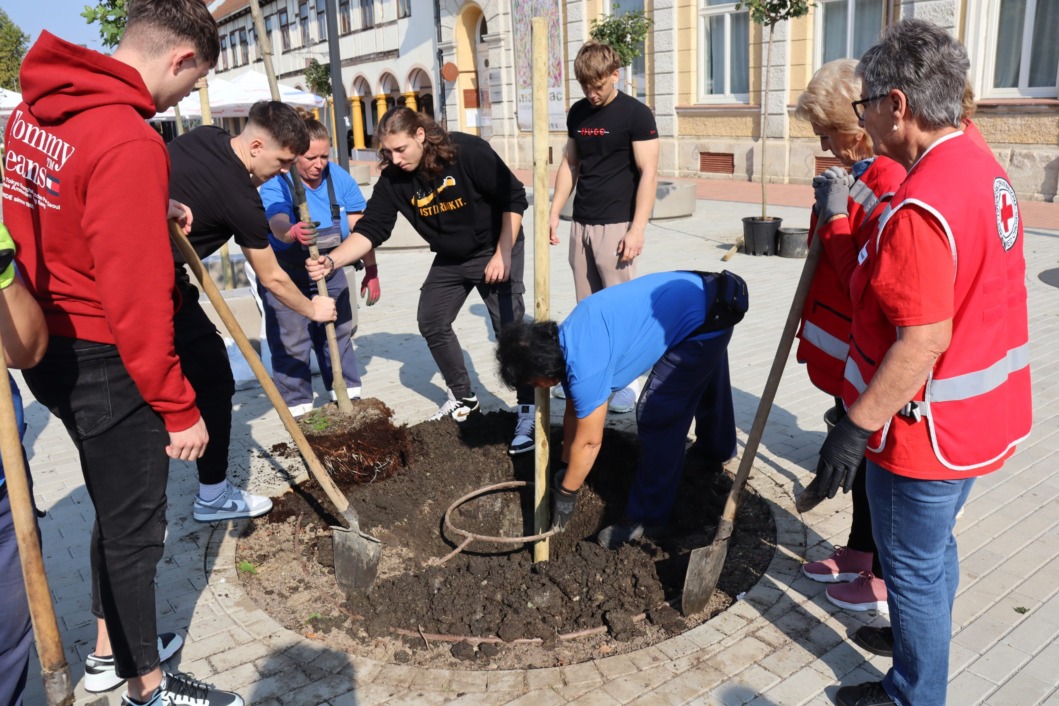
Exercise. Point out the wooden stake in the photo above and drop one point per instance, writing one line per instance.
(58, 688)
(227, 273)
(541, 277)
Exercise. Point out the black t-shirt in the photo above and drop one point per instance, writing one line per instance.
(459, 212)
(208, 177)
(608, 177)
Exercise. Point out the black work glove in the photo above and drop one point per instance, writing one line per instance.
(832, 193)
(564, 501)
(840, 456)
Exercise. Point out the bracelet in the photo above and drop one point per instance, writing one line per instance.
(331, 261)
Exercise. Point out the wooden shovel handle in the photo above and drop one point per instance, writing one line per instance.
(768, 395)
(228, 318)
(58, 687)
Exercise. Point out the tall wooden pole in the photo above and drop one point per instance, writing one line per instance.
(265, 43)
(179, 120)
(58, 687)
(541, 276)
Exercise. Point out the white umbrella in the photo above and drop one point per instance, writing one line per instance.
(256, 85)
(9, 100)
(221, 92)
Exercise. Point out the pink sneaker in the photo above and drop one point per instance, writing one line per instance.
(843, 565)
(865, 593)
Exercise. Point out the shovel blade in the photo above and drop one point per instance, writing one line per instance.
(704, 571)
(356, 559)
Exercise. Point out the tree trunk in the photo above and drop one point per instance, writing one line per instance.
(764, 120)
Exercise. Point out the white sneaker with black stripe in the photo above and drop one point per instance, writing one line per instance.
(185, 690)
(99, 671)
(231, 504)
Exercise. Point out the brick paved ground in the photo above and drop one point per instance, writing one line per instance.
(784, 644)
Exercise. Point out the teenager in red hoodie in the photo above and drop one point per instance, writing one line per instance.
(86, 198)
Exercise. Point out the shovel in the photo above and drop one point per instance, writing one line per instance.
(356, 553)
(705, 564)
(58, 688)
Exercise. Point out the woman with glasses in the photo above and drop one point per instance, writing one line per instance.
(937, 384)
(846, 213)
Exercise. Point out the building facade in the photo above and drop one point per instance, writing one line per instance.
(702, 72)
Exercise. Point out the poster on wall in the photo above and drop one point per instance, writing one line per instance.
(523, 11)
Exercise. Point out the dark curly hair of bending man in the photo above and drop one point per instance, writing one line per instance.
(528, 352)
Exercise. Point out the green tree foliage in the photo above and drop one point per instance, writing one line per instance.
(318, 78)
(13, 45)
(624, 33)
(769, 13)
(110, 14)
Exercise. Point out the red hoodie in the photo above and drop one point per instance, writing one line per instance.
(86, 184)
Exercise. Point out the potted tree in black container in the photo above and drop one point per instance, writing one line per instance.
(759, 233)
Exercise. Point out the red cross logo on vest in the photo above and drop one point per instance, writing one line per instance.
(1007, 212)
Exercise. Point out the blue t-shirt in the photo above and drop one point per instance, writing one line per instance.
(619, 333)
(16, 398)
(276, 195)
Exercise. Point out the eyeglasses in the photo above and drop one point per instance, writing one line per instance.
(858, 106)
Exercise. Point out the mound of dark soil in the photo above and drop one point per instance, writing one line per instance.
(491, 605)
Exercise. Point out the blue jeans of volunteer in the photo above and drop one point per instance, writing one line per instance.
(291, 338)
(912, 521)
(443, 294)
(690, 381)
(121, 443)
(16, 634)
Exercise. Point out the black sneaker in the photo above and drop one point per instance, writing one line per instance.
(878, 641)
(869, 693)
(184, 690)
(457, 409)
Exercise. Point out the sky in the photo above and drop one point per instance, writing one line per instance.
(60, 17)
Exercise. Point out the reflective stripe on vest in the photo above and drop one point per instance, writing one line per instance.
(854, 377)
(862, 194)
(831, 345)
(979, 382)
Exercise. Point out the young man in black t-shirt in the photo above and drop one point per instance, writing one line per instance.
(464, 201)
(611, 156)
(216, 176)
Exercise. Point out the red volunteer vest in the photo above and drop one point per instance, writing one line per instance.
(828, 314)
(977, 400)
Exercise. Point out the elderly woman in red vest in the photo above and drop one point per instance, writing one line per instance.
(937, 384)
(846, 214)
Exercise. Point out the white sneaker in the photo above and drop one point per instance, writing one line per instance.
(352, 392)
(558, 392)
(99, 671)
(624, 400)
(300, 409)
(231, 504)
(185, 690)
(457, 409)
(524, 426)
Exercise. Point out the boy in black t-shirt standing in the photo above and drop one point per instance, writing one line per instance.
(612, 157)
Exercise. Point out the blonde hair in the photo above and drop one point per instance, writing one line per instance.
(594, 63)
(827, 99)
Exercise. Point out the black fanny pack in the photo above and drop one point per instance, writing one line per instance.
(730, 302)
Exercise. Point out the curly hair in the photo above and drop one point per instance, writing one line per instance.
(438, 147)
(529, 351)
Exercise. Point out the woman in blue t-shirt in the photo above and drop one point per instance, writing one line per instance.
(336, 204)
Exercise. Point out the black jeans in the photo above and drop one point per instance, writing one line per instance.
(204, 361)
(121, 442)
(860, 536)
(443, 293)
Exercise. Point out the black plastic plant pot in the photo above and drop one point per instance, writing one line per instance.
(759, 234)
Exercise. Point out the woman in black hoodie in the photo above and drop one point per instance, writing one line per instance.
(465, 202)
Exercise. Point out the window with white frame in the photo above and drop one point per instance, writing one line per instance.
(321, 20)
(303, 22)
(1022, 52)
(367, 13)
(284, 29)
(244, 46)
(846, 28)
(404, 9)
(724, 52)
(224, 54)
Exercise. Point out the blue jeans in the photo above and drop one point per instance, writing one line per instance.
(291, 337)
(912, 521)
(689, 382)
(121, 442)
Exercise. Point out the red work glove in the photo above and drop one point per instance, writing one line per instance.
(370, 289)
(304, 233)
